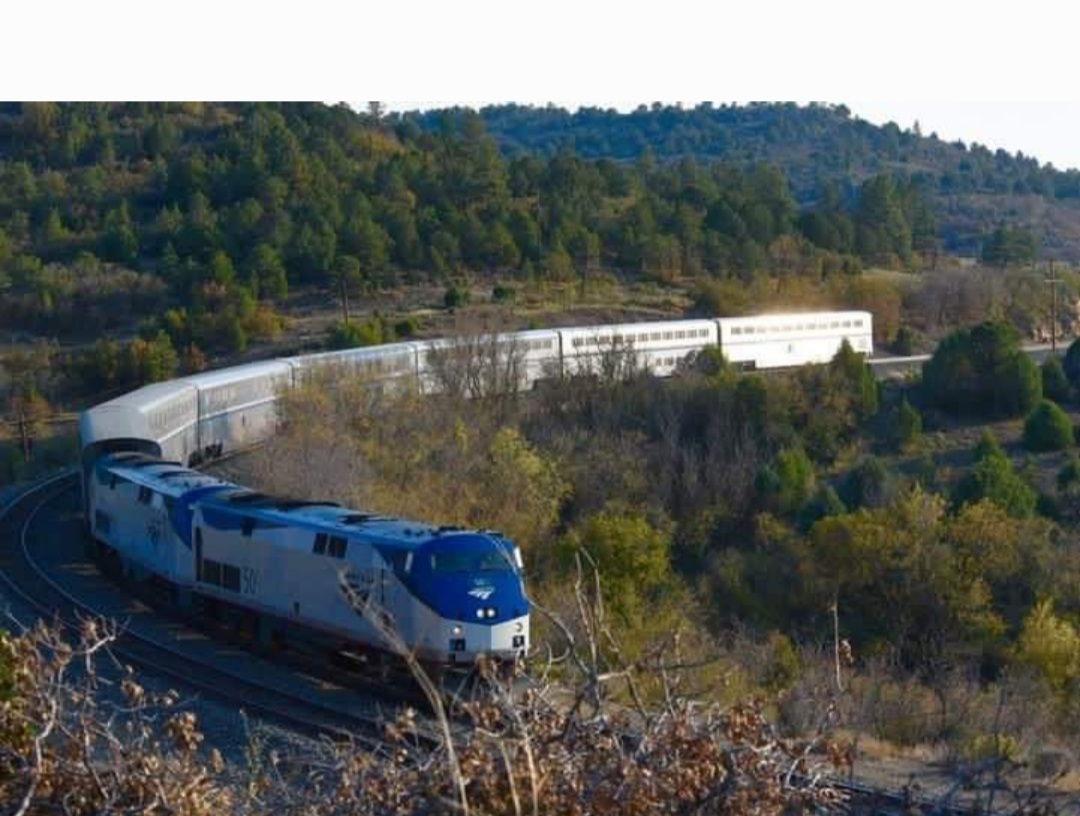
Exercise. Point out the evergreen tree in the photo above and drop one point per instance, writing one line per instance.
(1055, 384)
(1047, 428)
(993, 478)
(982, 371)
(1071, 364)
(908, 426)
(1009, 246)
(882, 232)
(266, 273)
(118, 242)
(852, 367)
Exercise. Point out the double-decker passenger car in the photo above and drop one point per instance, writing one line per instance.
(795, 339)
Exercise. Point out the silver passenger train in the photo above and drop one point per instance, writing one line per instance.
(451, 595)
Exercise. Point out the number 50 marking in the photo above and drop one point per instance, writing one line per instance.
(249, 579)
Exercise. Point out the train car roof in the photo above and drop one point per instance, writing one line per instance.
(781, 316)
(361, 353)
(651, 325)
(529, 334)
(225, 376)
(328, 517)
(149, 396)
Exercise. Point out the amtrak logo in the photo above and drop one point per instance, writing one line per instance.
(482, 592)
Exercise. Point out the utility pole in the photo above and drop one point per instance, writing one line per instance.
(1053, 308)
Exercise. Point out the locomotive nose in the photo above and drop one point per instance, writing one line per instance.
(505, 641)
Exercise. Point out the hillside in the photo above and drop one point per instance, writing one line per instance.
(974, 188)
(174, 235)
(198, 212)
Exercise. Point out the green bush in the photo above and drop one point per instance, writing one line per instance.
(1055, 384)
(782, 666)
(907, 426)
(993, 478)
(344, 335)
(825, 503)
(1071, 363)
(868, 485)
(996, 747)
(904, 344)
(982, 371)
(1047, 428)
(1051, 645)
(406, 327)
(788, 482)
(1069, 474)
(456, 296)
(503, 294)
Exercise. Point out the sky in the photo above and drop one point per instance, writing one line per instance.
(1007, 69)
(1047, 131)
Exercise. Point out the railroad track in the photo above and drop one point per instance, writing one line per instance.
(32, 585)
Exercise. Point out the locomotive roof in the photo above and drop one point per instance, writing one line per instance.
(172, 479)
(328, 517)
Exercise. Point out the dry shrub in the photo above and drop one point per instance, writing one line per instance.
(65, 749)
(70, 744)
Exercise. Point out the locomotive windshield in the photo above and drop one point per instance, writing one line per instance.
(492, 561)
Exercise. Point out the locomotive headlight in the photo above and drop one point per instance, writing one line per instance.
(491, 612)
(457, 630)
(480, 613)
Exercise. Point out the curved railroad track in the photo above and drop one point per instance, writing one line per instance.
(21, 535)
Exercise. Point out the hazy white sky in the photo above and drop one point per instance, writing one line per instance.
(628, 53)
(1047, 131)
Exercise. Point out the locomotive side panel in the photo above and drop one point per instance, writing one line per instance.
(275, 571)
(133, 520)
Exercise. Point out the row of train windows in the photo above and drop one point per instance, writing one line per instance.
(526, 345)
(173, 415)
(644, 337)
(383, 365)
(512, 346)
(835, 324)
(227, 395)
(333, 546)
(218, 574)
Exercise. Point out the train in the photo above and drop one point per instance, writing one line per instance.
(311, 569)
(452, 596)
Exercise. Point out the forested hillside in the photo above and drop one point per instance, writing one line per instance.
(196, 213)
(170, 234)
(814, 146)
